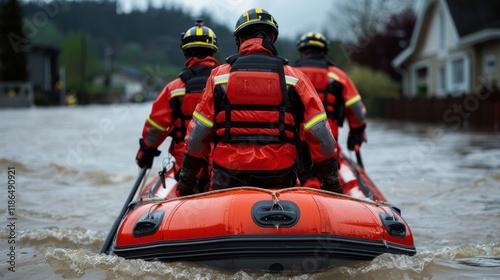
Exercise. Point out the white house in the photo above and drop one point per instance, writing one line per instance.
(454, 49)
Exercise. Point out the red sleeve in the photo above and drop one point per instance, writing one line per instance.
(354, 108)
(159, 121)
(315, 130)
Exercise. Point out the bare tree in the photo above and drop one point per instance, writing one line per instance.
(355, 21)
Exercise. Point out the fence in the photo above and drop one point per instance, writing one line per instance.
(16, 94)
(475, 111)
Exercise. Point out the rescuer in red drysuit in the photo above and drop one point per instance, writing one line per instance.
(173, 109)
(253, 111)
(336, 90)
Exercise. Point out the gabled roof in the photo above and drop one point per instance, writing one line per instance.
(475, 21)
(471, 16)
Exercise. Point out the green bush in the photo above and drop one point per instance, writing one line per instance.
(41, 99)
(371, 83)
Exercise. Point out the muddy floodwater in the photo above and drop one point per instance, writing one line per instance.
(65, 174)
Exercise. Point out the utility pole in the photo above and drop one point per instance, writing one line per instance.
(83, 92)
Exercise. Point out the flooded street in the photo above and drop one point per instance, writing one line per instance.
(74, 168)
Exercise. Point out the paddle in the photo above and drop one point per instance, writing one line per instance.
(358, 156)
(111, 235)
(366, 190)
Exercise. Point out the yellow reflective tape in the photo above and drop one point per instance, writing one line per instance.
(153, 123)
(199, 31)
(333, 76)
(201, 43)
(353, 100)
(291, 80)
(252, 20)
(202, 119)
(222, 79)
(317, 43)
(178, 92)
(315, 120)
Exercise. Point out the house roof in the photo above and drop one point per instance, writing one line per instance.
(471, 16)
(475, 21)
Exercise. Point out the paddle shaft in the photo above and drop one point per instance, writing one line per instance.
(358, 156)
(111, 235)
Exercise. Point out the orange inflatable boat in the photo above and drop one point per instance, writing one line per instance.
(293, 229)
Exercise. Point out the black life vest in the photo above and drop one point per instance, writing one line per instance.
(183, 106)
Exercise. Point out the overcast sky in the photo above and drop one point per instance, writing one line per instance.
(293, 17)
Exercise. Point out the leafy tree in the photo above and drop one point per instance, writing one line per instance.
(132, 53)
(80, 61)
(148, 40)
(12, 60)
(358, 20)
(338, 54)
(371, 83)
(381, 48)
(48, 35)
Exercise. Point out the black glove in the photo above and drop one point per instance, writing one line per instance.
(188, 176)
(145, 155)
(356, 137)
(327, 171)
(188, 182)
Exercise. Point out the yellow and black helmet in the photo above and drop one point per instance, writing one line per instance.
(199, 36)
(254, 18)
(313, 39)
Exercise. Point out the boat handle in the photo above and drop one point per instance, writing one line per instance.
(393, 226)
(269, 214)
(148, 223)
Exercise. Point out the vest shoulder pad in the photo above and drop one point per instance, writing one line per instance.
(186, 74)
(284, 60)
(232, 58)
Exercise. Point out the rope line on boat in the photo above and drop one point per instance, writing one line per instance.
(273, 193)
(148, 216)
(276, 201)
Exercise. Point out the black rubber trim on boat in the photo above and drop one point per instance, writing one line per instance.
(254, 246)
(148, 224)
(270, 214)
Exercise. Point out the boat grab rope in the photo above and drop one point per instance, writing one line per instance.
(274, 193)
(276, 202)
(148, 216)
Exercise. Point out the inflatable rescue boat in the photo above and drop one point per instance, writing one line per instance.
(292, 229)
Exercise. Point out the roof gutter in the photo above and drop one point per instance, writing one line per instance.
(479, 37)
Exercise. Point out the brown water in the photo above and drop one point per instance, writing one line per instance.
(74, 168)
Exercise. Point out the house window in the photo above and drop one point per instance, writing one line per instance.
(489, 64)
(457, 71)
(442, 79)
(421, 79)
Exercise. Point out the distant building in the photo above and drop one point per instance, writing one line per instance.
(454, 49)
(43, 70)
(43, 79)
(130, 82)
